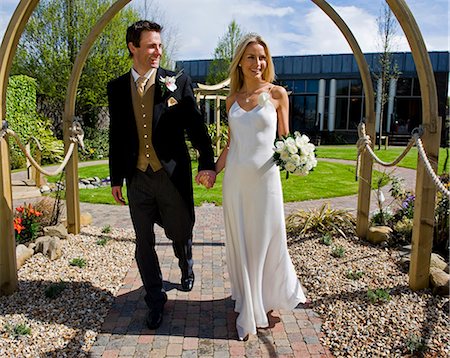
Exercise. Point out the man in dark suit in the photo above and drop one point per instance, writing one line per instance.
(151, 109)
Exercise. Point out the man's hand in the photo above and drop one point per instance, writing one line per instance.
(116, 192)
(207, 178)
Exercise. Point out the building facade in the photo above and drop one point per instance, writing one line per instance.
(327, 96)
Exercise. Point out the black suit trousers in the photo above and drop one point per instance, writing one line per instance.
(154, 199)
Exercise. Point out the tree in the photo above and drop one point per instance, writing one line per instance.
(387, 67)
(51, 41)
(223, 53)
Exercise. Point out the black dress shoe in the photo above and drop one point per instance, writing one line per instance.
(187, 283)
(155, 317)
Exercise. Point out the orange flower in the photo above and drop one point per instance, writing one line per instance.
(20, 209)
(18, 225)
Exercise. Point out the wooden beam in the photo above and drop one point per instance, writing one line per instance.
(365, 177)
(8, 266)
(217, 103)
(72, 192)
(425, 192)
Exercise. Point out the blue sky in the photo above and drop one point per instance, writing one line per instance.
(295, 27)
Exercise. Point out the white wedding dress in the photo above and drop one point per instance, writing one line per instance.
(261, 272)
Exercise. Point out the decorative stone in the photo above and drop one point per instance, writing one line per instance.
(438, 262)
(378, 234)
(23, 253)
(45, 189)
(85, 219)
(439, 281)
(49, 246)
(57, 230)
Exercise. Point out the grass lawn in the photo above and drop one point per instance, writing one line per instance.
(350, 152)
(326, 181)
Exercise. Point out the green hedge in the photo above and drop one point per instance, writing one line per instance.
(24, 120)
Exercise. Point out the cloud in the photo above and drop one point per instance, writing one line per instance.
(7, 8)
(257, 9)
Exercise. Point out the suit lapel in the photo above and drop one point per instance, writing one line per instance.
(126, 87)
(158, 103)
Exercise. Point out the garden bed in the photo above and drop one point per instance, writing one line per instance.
(391, 322)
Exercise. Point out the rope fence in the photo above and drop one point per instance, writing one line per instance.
(76, 136)
(364, 144)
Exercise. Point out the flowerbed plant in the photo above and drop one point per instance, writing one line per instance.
(26, 223)
(400, 218)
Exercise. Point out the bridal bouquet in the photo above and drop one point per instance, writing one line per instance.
(295, 154)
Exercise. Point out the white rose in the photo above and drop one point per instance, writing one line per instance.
(295, 158)
(169, 82)
(290, 167)
(302, 140)
(263, 98)
(284, 155)
(290, 145)
(308, 148)
(279, 146)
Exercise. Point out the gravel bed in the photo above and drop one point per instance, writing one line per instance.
(352, 324)
(65, 326)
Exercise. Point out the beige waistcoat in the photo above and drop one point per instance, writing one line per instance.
(143, 112)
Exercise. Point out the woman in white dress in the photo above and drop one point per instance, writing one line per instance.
(261, 272)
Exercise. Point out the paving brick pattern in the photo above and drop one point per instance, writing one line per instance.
(200, 323)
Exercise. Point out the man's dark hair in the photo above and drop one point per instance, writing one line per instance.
(135, 30)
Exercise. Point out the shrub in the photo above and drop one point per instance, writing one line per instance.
(18, 330)
(21, 114)
(379, 295)
(326, 239)
(103, 241)
(52, 148)
(55, 289)
(78, 261)
(96, 144)
(47, 207)
(442, 223)
(415, 344)
(106, 229)
(323, 221)
(223, 135)
(354, 275)
(338, 251)
(26, 223)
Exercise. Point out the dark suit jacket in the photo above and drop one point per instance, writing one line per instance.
(168, 133)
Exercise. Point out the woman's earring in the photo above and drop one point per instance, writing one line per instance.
(240, 65)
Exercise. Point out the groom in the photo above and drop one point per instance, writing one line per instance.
(150, 110)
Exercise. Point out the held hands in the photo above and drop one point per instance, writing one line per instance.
(207, 178)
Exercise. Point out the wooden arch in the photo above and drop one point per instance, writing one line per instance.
(425, 189)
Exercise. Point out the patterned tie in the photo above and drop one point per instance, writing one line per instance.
(141, 81)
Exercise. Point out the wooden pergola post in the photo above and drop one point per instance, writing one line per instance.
(365, 175)
(72, 192)
(8, 265)
(424, 205)
(217, 103)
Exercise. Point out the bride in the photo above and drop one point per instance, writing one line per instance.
(261, 272)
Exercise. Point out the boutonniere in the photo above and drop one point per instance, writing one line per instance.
(168, 83)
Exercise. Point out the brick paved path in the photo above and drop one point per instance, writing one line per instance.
(200, 323)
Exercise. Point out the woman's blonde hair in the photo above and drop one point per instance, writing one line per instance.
(236, 75)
